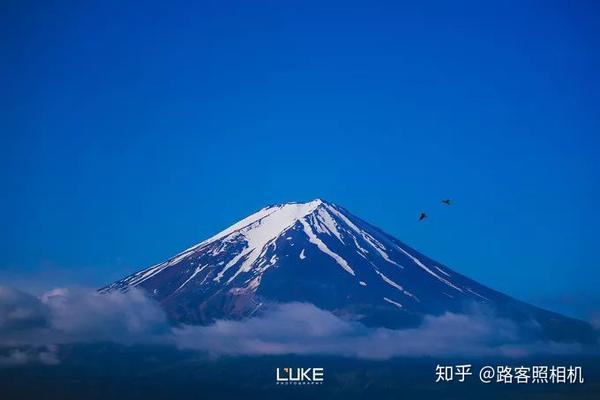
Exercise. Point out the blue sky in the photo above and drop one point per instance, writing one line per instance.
(130, 132)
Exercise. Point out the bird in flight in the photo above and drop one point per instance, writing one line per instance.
(446, 202)
(422, 216)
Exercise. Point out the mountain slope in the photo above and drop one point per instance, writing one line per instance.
(320, 253)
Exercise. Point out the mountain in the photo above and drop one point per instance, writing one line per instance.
(320, 253)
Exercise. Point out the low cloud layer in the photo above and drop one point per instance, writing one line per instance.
(32, 328)
(301, 328)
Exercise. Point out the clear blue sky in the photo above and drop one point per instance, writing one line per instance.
(129, 132)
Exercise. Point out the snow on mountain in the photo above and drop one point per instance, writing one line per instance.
(320, 253)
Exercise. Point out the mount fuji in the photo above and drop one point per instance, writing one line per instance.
(318, 252)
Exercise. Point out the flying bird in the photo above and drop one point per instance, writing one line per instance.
(446, 202)
(422, 216)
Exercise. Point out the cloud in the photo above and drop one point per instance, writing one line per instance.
(299, 328)
(32, 328)
(20, 311)
(85, 315)
(47, 355)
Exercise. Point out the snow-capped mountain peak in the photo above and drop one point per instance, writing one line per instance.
(315, 252)
(248, 249)
(276, 218)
